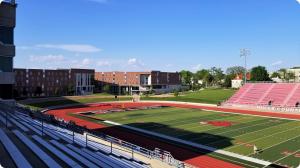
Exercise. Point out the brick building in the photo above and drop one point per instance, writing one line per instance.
(130, 82)
(7, 47)
(41, 82)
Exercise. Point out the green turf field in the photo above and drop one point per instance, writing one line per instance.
(278, 139)
(211, 96)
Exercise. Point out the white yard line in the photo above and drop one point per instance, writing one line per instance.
(279, 143)
(231, 154)
(234, 130)
(287, 156)
(269, 135)
(253, 115)
(200, 126)
(254, 132)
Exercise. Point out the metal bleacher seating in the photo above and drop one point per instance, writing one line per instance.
(54, 146)
(273, 95)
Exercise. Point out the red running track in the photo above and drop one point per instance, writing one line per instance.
(195, 158)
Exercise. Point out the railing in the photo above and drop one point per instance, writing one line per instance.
(91, 138)
(266, 107)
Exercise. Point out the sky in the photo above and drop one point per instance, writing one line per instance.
(166, 35)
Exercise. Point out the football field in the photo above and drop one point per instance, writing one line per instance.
(277, 140)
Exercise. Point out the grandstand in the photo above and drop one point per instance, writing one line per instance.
(32, 139)
(277, 96)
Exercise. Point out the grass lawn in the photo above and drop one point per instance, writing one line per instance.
(278, 139)
(211, 96)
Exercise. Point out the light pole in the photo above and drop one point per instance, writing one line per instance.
(244, 52)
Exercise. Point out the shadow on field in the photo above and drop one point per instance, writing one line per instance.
(65, 102)
(178, 150)
(43, 102)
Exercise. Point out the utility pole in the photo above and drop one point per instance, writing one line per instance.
(245, 52)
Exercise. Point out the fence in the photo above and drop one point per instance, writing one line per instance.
(265, 107)
(91, 140)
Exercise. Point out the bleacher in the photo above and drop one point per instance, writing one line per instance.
(26, 141)
(279, 95)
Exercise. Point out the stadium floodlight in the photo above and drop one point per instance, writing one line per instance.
(244, 52)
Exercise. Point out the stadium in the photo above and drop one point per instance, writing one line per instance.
(78, 117)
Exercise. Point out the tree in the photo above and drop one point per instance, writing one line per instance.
(201, 74)
(217, 74)
(106, 88)
(57, 92)
(186, 77)
(290, 76)
(275, 75)
(228, 79)
(286, 75)
(283, 73)
(71, 89)
(208, 79)
(235, 70)
(259, 73)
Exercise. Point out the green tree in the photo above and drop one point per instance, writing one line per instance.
(283, 73)
(57, 92)
(235, 70)
(290, 76)
(275, 75)
(208, 79)
(286, 75)
(186, 77)
(217, 74)
(259, 73)
(228, 79)
(201, 74)
(71, 89)
(106, 88)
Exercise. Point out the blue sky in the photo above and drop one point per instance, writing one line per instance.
(168, 35)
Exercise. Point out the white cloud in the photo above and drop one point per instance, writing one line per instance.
(298, 1)
(277, 62)
(86, 62)
(133, 64)
(103, 63)
(197, 67)
(23, 47)
(83, 48)
(132, 61)
(46, 58)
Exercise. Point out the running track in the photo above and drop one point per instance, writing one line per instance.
(195, 158)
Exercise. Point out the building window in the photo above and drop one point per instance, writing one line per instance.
(7, 35)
